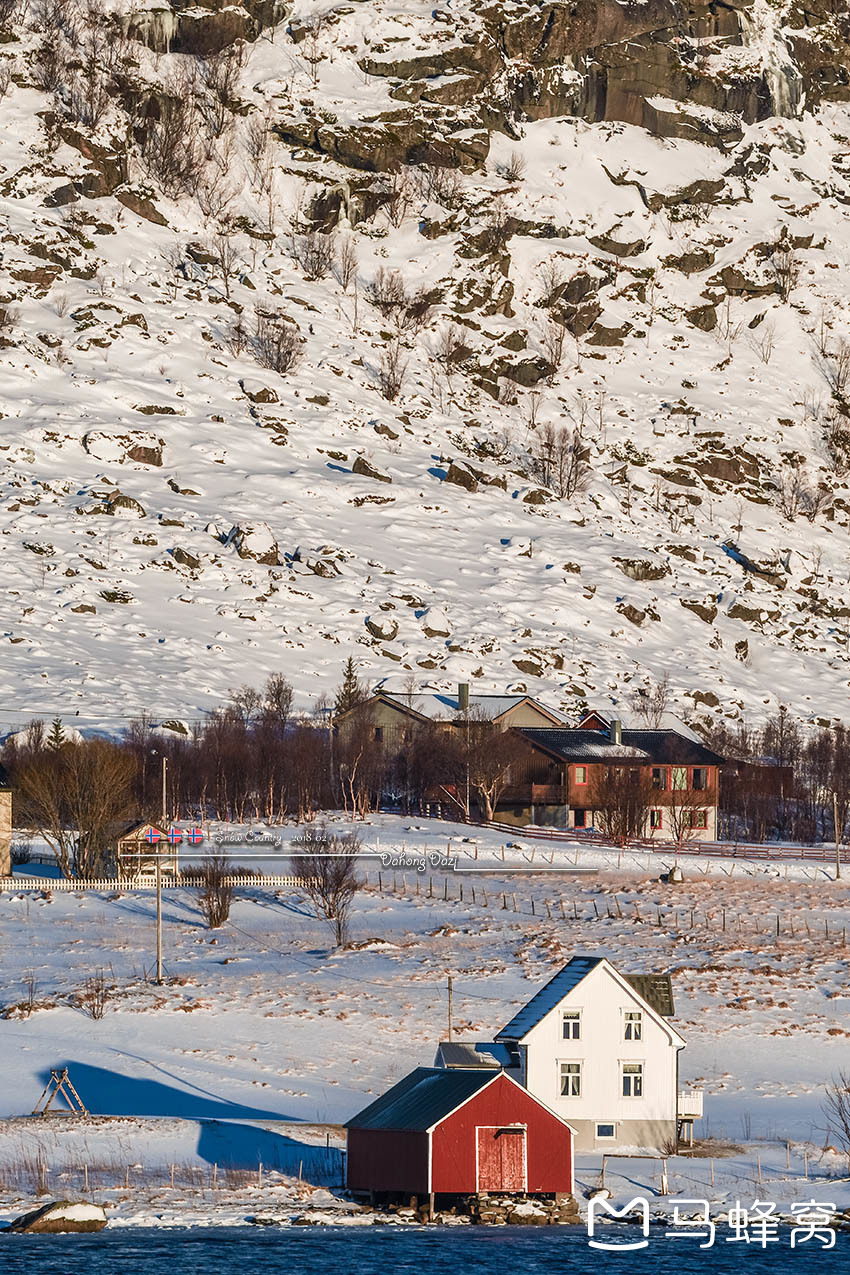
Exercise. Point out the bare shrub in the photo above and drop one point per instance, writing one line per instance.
(229, 257)
(237, 336)
(797, 496)
(312, 50)
(20, 853)
(835, 366)
(216, 891)
(621, 797)
(552, 279)
(6, 69)
(836, 1109)
(31, 990)
(398, 187)
(347, 262)
(497, 227)
(442, 185)
(256, 137)
(393, 369)
(214, 193)
(416, 311)
(784, 267)
(170, 149)
(327, 870)
(763, 341)
(9, 318)
(650, 703)
(561, 460)
(513, 169)
(314, 252)
(553, 348)
(220, 77)
(49, 64)
(450, 346)
(95, 996)
(387, 291)
(276, 341)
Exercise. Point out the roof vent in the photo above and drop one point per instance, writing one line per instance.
(616, 731)
(463, 697)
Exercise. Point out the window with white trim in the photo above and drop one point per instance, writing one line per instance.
(632, 1080)
(606, 1130)
(571, 1024)
(581, 774)
(632, 1024)
(570, 1079)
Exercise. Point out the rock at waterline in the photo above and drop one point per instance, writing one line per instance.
(61, 1216)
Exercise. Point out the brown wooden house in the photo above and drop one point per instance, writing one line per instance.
(560, 777)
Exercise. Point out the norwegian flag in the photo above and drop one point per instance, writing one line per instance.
(175, 836)
(153, 836)
(194, 836)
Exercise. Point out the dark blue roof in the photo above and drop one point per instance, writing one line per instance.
(548, 997)
(422, 1099)
(655, 989)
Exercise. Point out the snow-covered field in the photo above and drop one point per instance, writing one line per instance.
(263, 1021)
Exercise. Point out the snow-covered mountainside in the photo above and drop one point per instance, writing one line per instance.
(559, 298)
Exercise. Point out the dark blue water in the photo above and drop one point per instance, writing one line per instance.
(381, 1251)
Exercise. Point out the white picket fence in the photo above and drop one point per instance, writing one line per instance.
(139, 883)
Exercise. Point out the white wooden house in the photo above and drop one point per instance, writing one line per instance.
(597, 1047)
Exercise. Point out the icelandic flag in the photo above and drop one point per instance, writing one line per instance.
(153, 836)
(175, 836)
(194, 836)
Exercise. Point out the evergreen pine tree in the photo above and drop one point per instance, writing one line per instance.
(56, 738)
(351, 691)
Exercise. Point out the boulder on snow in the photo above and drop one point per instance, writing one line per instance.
(254, 540)
(258, 392)
(116, 505)
(382, 627)
(61, 1216)
(461, 477)
(367, 470)
(435, 623)
(141, 446)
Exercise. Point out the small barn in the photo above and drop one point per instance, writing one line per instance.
(458, 1131)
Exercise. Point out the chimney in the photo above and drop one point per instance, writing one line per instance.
(616, 731)
(463, 697)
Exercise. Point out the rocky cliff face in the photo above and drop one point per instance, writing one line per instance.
(318, 325)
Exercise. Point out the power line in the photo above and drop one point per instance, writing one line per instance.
(368, 982)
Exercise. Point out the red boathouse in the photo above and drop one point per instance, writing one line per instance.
(458, 1131)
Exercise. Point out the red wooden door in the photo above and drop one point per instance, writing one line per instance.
(501, 1159)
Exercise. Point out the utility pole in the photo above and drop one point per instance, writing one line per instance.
(450, 985)
(159, 878)
(837, 836)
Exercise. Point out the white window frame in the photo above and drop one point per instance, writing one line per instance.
(574, 1016)
(605, 1137)
(633, 1018)
(632, 1062)
(569, 1062)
